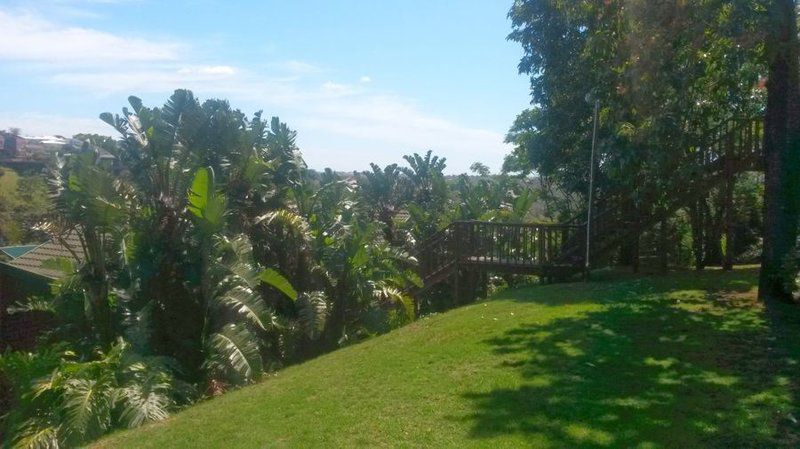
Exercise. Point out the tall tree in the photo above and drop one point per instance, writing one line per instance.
(782, 153)
(666, 74)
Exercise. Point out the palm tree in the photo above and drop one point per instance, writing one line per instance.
(385, 192)
(427, 176)
(429, 193)
(195, 287)
(93, 205)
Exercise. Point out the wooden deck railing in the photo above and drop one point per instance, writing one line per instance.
(738, 140)
(734, 146)
(523, 247)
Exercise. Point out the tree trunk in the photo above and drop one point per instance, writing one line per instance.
(727, 203)
(727, 257)
(386, 216)
(696, 218)
(335, 328)
(637, 240)
(781, 151)
(97, 285)
(663, 251)
(712, 235)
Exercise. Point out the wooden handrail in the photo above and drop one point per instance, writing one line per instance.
(537, 247)
(520, 245)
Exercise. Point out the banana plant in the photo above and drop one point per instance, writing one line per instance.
(367, 281)
(236, 315)
(429, 193)
(94, 206)
(385, 192)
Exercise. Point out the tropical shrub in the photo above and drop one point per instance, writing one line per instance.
(62, 400)
(210, 254)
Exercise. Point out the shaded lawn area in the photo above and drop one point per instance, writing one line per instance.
(685, 360)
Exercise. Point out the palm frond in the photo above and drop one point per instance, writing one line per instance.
(389, 295)
(234, 354)
(33, 304)
(145, 402)
(245, 302)
(87, 407)
(292, 221)
(313, 311)
(38, 433)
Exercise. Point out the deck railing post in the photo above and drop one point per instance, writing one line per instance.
(591, 187)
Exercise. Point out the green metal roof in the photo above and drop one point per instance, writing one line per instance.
(17, 250)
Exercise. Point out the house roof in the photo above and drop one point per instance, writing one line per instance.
(15, 251)
(44, 259)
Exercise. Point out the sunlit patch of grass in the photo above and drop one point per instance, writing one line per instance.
(584, 434)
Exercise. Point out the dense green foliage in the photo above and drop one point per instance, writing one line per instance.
(69, 401)
(212, 256)
(686, 360)
(666, 75)
(23, 202)
(208, 246)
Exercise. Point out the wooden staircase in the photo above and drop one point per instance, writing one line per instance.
(734, 147)
(557, 251)
(549, 250)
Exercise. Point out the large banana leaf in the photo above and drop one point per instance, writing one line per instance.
(276, 280)
(204, 201)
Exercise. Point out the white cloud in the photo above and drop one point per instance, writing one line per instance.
(336, 89)
(225, 70)
(50, 124)
(381, 128)
(344, 126)
(217, 70)
(297, 68)
(211, 79)
(29, 37)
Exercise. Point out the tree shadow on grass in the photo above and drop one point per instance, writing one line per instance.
(660, 364)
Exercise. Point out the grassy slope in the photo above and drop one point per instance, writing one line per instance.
(679, 361)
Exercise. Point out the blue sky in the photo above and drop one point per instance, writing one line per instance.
(361, 81)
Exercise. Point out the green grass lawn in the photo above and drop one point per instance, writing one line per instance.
(684, 361)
